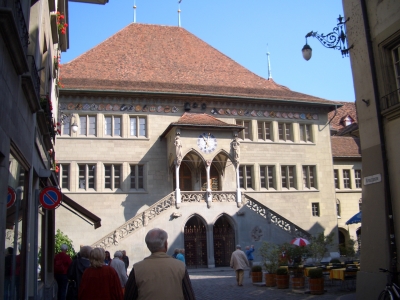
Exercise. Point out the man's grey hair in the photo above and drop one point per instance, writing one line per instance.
(85, 251)
(155, 239)
(118, 254)
(64, 247)
(238, 247)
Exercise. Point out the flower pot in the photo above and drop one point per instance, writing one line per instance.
(316, 286)
(282, 281)
(270, 279)
(256, 276)
(298, 282)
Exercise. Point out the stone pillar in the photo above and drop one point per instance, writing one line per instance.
(208, 194)
(177, 190)
(210, 246)
(238, 192)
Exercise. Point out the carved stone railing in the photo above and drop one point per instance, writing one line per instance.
(274, 218)
(223, 196)
(137, 222)
(193, 196)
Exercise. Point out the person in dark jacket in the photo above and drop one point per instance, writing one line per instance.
(7, 272)
(125, 260)
(75, 271)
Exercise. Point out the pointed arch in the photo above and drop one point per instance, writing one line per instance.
(195, 241)
(224, 240)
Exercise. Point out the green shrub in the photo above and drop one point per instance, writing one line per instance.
(61, 238)
(315, 273)
(270, 254)
(282, 271)
(256, 269)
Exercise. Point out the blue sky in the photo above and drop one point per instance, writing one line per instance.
(242, 30)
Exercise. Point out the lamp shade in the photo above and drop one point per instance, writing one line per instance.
(307, 52)
(74, 127)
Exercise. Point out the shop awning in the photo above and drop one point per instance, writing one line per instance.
(80, 211)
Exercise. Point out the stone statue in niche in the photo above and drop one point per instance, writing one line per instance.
(256, 233)
(236, 149)
(116, 238)
(178, 149)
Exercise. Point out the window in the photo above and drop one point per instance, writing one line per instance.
(346, 179)
(357, 177)
(66, 127)
(360, 204)
(137, 177)
(285, 131)
(245, 133)
(308, 177)
(336, 178)
(63, 174)
(138, 126)
(287, 175)
(112, 126)
(305, 132)
(338, 207)
(264, 131)
(87, 125)
(267, 177)
(87, 176)
(245, 179)
(315, 209)
(112, 176)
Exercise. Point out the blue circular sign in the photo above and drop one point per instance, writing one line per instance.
(11, 196)
(50, 197)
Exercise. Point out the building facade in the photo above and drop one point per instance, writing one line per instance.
(162, 130)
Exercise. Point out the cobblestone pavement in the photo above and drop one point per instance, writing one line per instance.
(221, 284)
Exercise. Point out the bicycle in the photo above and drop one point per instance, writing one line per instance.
(392, 290)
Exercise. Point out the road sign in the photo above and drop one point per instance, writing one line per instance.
(11, 196)
(50, 197)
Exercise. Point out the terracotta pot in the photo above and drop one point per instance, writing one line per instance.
(316, 286)
(270, 279)
(256, 276)
(282, 281)
(298, 282)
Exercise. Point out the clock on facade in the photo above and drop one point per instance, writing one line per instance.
(207, 142)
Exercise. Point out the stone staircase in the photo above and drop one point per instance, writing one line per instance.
(142, 219)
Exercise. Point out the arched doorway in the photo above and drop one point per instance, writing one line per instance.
(224, 242)
(195, 240)
(342, 243)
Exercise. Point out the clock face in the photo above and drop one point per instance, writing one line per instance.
(207, 142)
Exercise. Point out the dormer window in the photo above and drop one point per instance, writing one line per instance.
(348, 121)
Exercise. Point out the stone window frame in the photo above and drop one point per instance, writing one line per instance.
(346, 179)
(285, 132)
(139, 177)
(309, 173)
(113, 126)
(358, 178)
(244, 179)
(269, 181)
(315, 210)
(338, 209)
(336, 178)
(138, 130)
(305, 133)
(115, 176)
(89, 172)
(266, 126)
(64, 176)
(287, 169)
(244, 134)
(88, 130)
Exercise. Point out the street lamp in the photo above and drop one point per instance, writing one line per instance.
(335, 40)
(74, 126)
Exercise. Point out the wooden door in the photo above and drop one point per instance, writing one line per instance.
(224, 242)
(195, 240)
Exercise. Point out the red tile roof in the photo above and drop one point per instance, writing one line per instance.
(344, 146)
(166, 59)
(348, 109)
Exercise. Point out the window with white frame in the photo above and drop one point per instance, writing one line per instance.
(287, 177)
(338, 207)
(66, 127)
(245, 177)
(336, 178)
(245, 133)
(357, 178)
(285, 131)
(63, 176)
(87, 176)
(267, 177)
(112, 125)
(87, 125)
(346, 179)
(308, 177)
(264, 131)
(137, 177)
(112, 176)
(315, 209)
(305, 132)
(138, 126)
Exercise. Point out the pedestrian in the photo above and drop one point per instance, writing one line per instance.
(250, 257)
(119, 266)
(107, 260)
(176, 252)
(125, 259)
(158, 276)
(75, 271)
(99, 281)
(181, 255)
(239, 262)
(7, 272)
(62, 261)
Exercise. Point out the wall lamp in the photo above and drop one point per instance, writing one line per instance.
(335, 40)
(74, 126)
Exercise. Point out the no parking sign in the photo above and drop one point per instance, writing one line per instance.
(50, 197)
(11, 196)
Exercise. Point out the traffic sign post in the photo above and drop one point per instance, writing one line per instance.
(11, 197)
(50, 197)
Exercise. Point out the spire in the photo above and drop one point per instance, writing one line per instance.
(269, 66)
(134, 11)
(179, 13)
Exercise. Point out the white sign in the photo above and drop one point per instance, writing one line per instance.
(372, 179)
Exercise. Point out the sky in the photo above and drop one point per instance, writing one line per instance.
(243, 30)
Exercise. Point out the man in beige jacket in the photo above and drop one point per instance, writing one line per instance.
(159, 276)
(239, 262)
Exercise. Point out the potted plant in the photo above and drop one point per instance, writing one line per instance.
(295, 254)
(316, 281)
(256, 274)
(270, 257)
(282, 278)
(319, 246)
